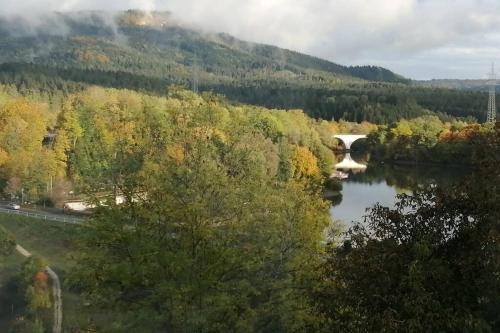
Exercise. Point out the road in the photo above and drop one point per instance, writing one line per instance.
(56, 292)
(42, 215)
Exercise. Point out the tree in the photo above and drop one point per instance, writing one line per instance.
(14, 186)
(217, 245)
(306, 164)
(430, 264)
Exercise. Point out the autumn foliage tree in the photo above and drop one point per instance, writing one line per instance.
(212, 236)
(430, 264)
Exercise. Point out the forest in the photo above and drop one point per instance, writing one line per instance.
(224, 226)
(142, 52)
(222, 153)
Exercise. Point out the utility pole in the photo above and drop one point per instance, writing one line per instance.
(492, 107)
(195, 74)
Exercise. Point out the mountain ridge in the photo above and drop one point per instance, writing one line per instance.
(157, 35)
(67, 52)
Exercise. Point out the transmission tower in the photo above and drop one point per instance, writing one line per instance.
(492, 107)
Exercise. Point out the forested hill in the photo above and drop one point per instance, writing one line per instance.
(157, 45)
(61, 53)
(468, 85)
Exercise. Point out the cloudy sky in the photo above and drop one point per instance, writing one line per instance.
(420, 39)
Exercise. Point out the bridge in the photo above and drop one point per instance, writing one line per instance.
(349, 139)
(348, 162)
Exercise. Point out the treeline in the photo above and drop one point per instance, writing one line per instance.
(39, 161)
(429, 140)
(379, 103)
(223, 215)
(42, 149)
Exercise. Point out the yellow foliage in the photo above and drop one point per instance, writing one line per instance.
(22, 128)
(4, 157)
(202, 132)
(176, 152)
(220, 135)
(306, 164)
(403, 129)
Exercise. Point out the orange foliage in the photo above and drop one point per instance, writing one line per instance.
(465, 133)
(41, 278)
(468, 131)
(446, 135)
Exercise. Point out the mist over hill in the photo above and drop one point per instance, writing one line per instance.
(150, 51)
(156, 44)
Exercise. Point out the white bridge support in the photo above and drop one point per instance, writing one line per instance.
(349, 139)
(349, 163)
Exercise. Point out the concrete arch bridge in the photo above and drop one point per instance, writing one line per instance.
(348, 162)
(349, 139)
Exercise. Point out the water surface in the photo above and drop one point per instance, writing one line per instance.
(380, 183)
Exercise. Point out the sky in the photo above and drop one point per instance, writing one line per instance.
(419, 39)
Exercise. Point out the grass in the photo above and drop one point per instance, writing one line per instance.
(47, 239)
(54, 241)
(10, 304)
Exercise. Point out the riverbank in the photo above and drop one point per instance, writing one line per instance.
(422, 163)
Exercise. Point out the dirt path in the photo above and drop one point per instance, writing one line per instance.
(56, 292)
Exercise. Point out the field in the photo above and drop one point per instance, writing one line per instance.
(54, 242)
(10, 305)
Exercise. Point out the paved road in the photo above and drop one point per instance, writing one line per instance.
(42, 215)
(56, 292)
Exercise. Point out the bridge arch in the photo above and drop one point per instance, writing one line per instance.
(349, 139)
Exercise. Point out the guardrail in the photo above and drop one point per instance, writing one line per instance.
(41, 216)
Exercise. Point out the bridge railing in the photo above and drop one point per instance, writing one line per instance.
(41, 216)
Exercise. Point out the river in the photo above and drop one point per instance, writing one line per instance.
(381, 183)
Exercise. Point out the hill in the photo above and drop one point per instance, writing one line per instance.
(467, 85)
(64, 52)
(157, 45)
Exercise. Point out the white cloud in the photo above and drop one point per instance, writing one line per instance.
(418, 38)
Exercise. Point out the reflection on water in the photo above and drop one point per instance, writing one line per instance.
(382, 182)
(356, 197)
(348, 163)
